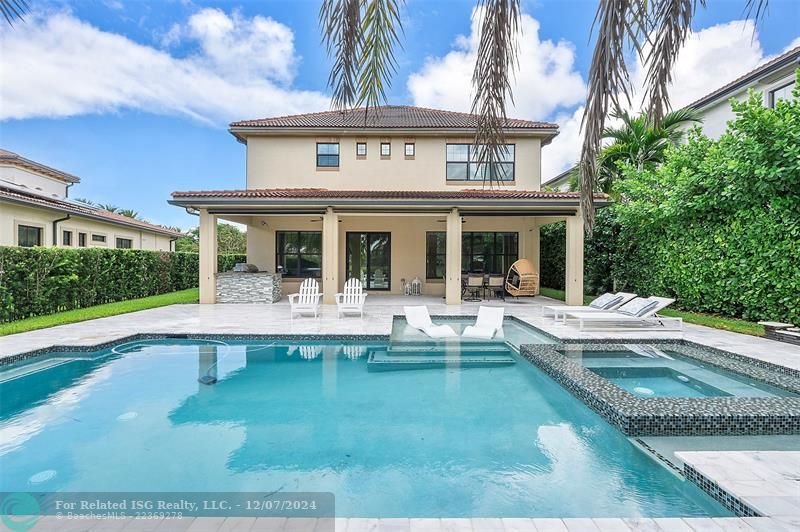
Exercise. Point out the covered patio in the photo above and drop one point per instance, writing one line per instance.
(387, 238)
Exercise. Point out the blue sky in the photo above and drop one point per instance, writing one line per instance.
(134, 96)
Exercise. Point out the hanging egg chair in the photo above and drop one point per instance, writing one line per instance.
(522, 279)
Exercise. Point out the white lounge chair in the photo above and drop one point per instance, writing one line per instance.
(490, 320)
(307, 300)
(418, 318)
(640, 312)
(351, 301)
(604, 303)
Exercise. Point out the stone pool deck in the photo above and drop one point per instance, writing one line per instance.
(379, 313)
(250, 524)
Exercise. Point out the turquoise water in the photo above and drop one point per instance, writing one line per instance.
(648, 371)
(500, 441)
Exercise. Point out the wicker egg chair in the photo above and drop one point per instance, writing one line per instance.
(522, 279)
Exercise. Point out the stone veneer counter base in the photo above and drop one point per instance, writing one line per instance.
(241, 287)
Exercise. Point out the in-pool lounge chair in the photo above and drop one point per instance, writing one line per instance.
(639, 312)
(490, 320)
(606, 302)
(418, 318)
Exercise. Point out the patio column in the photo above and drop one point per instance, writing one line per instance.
(330, 256)
(453, 259)
(574, 274)
(208, 257)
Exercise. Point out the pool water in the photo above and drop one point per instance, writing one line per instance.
(447, 442)
(650, 371)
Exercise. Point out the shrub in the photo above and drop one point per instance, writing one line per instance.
(44, 280)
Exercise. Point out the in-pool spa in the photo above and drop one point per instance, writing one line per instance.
(661, 371)
(308, 415)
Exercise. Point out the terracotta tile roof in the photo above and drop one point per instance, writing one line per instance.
(14, 159)
(386, 117)
(323, 193)
(792, 56)
(79, 209)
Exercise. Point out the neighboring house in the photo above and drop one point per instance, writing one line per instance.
(561, 182)
(774, 79)
(35, 211)
(385, 196)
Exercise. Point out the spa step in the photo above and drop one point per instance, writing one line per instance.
(455, 350)
(382, 361)
(33, 367)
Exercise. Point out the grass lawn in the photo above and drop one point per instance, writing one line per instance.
(708, 320)
(100, 311)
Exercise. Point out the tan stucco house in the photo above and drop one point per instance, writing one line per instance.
(35, 210)
(386, 195)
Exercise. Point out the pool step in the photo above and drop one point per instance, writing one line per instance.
(425, 350)
(33, 367)
(383, 361)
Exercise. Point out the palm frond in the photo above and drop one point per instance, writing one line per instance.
(13, 10)
(756, 9)
(340, 21)
(672, 22)
(617, 22)
(494, 66)
(380, 27)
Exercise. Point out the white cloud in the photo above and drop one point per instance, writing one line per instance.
(564, 151)
(546, 79)
(56, 65)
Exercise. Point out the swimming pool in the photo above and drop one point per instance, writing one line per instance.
(661, 371)
(309, 416)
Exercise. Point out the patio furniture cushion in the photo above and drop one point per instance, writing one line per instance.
(638, 307)
(606, 301)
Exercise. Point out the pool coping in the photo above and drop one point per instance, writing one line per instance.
(712, 488)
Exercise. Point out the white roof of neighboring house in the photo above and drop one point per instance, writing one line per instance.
(788, 59)
(14, 159)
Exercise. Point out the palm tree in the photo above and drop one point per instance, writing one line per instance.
(13, 9)
(640, 143)
(108, 207)
(361, 36)
(84, 201)
(130, 213)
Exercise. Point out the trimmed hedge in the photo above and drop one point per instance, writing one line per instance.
(44, 280)
(717, 226)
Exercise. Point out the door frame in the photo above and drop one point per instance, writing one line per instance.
(369, 266)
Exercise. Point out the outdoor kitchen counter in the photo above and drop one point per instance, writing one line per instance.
(241, 287)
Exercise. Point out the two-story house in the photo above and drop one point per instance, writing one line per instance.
(35, 210)
(383, 196)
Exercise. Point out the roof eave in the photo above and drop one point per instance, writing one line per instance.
(72, 212)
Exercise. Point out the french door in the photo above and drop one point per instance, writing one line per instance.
(369, 259)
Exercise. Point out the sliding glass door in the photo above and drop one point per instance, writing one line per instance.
(369, 259)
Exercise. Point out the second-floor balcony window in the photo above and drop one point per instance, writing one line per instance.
(328, 154)
(462, 164)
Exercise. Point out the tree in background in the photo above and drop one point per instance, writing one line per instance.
(230, 240)
(640, 143)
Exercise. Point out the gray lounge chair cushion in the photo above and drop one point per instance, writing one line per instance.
(606, 301)
(638, 307)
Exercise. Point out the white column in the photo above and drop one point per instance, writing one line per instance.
(208, 257)
(330, 256)
(453, 260)
(574, 274)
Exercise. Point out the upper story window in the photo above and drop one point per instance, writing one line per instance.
(361, 149)
(328, 154)
(462, 164)
(781, 93)
(66, 238)
(100, 239)
(410, 149)
(124, 243)
(82, 240)
(386, 149)
(29, 236)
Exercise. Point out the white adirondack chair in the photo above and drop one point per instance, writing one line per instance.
(351, 301)
(307, 300)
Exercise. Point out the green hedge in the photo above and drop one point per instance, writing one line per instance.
(44, 280)
(717, 226)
